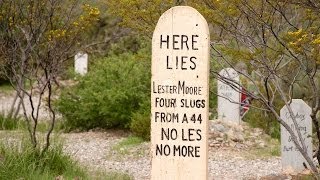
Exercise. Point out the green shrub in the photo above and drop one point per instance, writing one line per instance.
(9, 123)
(109, 94)
(141, 122)
(263, 119)
(21, 161)
(213, 98)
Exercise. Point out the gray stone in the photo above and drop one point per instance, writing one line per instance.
(262, 145)
(238, 138)
(81, 63)
(239, 146)
(291, 158)
(229, 96)
(219, 127)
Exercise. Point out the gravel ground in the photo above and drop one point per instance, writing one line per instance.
(94, 150)
(91, 149)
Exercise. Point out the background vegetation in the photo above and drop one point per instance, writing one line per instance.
(117, 91)
(277, 42)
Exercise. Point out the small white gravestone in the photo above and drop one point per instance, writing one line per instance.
(229, 97)
(179, 97)
(81, 63)
(291, 158)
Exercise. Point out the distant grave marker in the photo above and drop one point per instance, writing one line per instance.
(229, 97)
(179, 97)
(81, 63)
(291, 158)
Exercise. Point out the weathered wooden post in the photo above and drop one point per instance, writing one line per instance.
(179, 100)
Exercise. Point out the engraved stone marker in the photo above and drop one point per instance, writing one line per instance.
(291, 158)
(179, 97)
(229, 97)
(81, 63)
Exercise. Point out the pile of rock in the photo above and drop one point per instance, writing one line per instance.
(225, 134)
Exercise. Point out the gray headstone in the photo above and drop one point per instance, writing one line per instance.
(179, 97)
(81, 63)
(229, 97)
(291, 158)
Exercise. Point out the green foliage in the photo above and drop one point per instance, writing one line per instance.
(25, 162)
(143, 15)
(109, 94)
(263, 119)
(130, 147)
(213, 98)
(5, 87)
(128, 142)
(21, 161)
(140, 121)
(130, 43)
(9, 123)
(271, 149)
(111, 176)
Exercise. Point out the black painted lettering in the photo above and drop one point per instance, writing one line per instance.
(193, 66)
(164, 41)
(154, 87)
(166, 150)
(159, 149)
(194, 41)
(176, 149)
(184, 151)
(199, 119)
(193, 118)
(167, 117)
(184, 40)
(162, 102)
(190, 151)
(163, 117)
(177, 62)
(181, 86)
(185, 119)
(203, 103)
(183, 135)
(183, 62)
(175, 42)
(199, 134)
(168, 66)
(190, 134)
(182, 102)
(156, 116)
(167, 134)
(197, 151)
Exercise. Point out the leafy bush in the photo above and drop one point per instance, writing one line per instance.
(7, 123)
(140, 121)
(263, 119)
(25, 162)
(109, 94)
(19, 160)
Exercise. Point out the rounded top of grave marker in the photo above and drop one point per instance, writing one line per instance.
(297, 104)
(229, 73)
(186, 14)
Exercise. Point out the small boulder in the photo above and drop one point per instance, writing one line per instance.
(219, 128)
